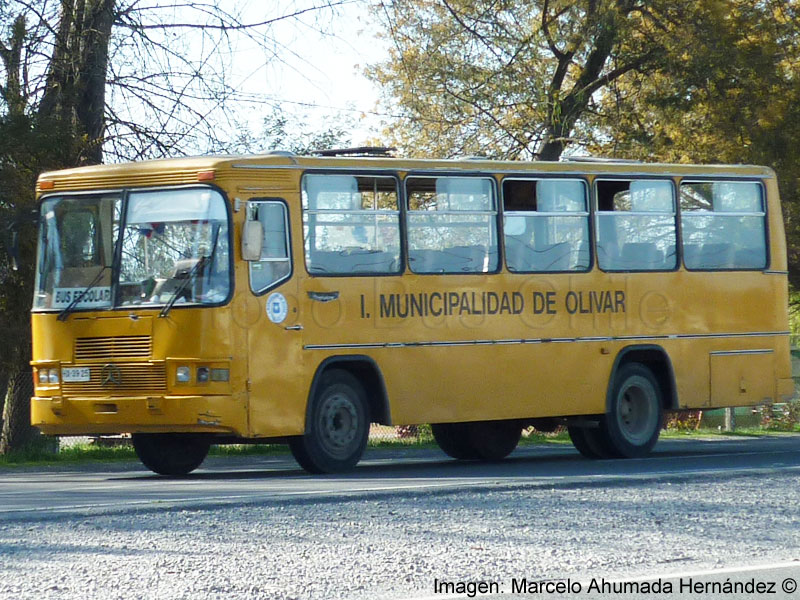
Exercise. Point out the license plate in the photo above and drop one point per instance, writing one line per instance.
(75, 374)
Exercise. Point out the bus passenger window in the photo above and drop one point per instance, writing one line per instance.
(274, 264)
(452, 225)
(351, 225)
(636, 228)
(724, 225)
(546, 225)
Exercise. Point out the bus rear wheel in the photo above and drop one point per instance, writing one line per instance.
(589, 442)
(483, 440)
(454, 440)
(633, 422)
(494, 440)
(338, 426)
(171, 453)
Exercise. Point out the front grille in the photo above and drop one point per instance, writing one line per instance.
(136, 379)
(113, 348)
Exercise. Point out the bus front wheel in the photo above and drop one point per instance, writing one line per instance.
(171, 453)
(633, 422)
(338, 426)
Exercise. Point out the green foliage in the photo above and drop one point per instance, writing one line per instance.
(508, 78)
(707, 81)
(781, 417)
(729, 92)
(683, 420)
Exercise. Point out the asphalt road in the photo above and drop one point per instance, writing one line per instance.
(34, 494)
(413, 525)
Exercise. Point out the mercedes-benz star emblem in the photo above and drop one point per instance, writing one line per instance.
(111, 375)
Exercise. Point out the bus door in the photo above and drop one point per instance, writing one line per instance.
(270, 317)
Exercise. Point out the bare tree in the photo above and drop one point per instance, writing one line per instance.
(84, 80)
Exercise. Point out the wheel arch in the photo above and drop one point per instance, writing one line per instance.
(658, 361)
(369, 375)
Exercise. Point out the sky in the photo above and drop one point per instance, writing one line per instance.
(322, 58)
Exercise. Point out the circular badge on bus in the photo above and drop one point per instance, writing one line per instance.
(277, 307)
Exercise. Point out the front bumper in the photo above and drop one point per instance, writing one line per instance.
(140, 414)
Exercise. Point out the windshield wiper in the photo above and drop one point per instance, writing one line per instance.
(62, 316)
(190, 276)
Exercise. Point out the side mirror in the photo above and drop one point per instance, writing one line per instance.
(252, 239)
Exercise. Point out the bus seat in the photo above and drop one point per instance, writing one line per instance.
(608, 255)
(372, 261)
(517, 250)
(584, 258)
(719, 256)
(425, 261)
(692, 255)
(324, 262)
(468, 259)
(750, 258)
(553, 257)
(642, 255)
(352, 261)
(458, 259)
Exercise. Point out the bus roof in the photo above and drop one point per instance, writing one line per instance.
(188, 170)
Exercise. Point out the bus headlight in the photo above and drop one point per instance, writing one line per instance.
(47, 377)
(183, 374)
(202, 374)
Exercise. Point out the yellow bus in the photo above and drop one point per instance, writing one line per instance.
(298, 299)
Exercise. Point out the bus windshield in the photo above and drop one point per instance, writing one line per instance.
(173, 250)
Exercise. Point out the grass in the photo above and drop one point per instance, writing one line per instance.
(712, 431)
(74, 454)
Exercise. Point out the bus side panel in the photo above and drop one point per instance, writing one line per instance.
(491, 382)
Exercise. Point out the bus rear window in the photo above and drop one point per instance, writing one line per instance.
(724, 225)
(636, 228)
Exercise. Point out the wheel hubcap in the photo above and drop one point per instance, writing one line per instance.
(338, 424)
(636, 411)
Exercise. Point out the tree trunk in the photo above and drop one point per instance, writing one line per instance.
(3, 388)
(17, 431)
(91, 106)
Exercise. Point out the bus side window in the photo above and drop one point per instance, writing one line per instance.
(546, 225)
(274, 264)
(351, 225)
(724, 225)
(636, 229)
(452, 225)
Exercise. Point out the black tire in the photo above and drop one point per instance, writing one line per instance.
(589, 442)
(578, 437)
(338, 426)
(494, 440)
(171, 453)
(633, 422)
(454, 440)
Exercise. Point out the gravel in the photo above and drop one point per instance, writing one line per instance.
(395, 546)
